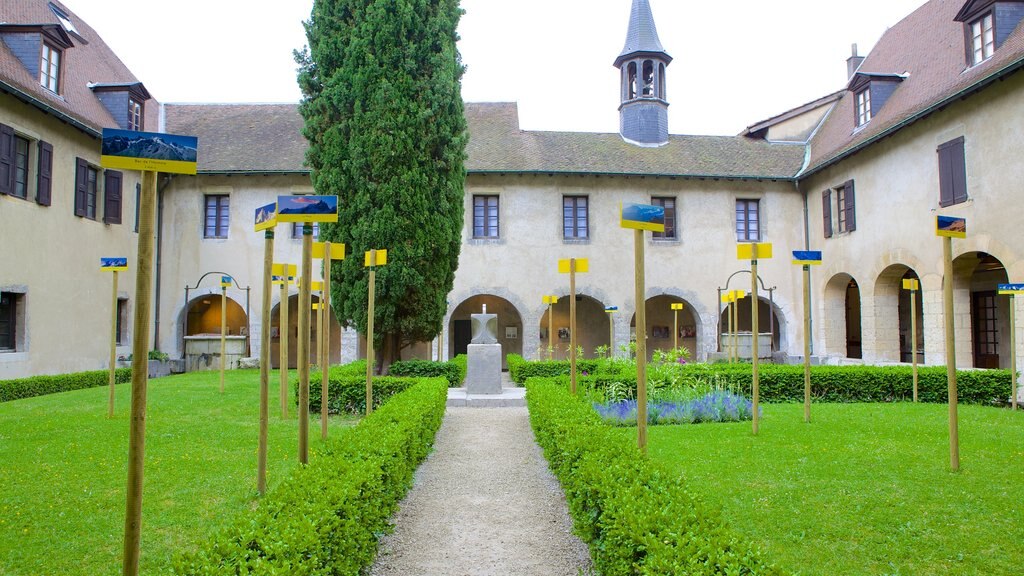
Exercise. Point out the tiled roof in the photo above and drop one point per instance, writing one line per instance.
(928, 45)
(268, 138)
(242, 137)
(642, 34)
(90, 62)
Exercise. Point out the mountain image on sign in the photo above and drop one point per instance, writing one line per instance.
(145, 145)
(308, 205)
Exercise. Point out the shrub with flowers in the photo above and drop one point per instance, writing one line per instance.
(715, 406)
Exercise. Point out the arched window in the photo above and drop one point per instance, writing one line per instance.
(661, 81)
(648, 78)
(631, 80)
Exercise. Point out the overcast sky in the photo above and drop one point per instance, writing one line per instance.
(735, 63)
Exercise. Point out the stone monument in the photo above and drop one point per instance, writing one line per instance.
(483, 366)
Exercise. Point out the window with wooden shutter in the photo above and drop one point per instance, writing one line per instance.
(112, 197)
(6, 159)
(44, 178)
(826, 211)
(952, 172)
(849, 207)
(81, 186)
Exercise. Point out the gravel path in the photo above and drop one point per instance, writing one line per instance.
(483, 503)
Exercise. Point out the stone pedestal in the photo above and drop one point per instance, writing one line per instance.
(483, 369)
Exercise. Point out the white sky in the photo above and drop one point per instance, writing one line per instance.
(735, 63)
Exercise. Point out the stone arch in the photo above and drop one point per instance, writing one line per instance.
(842, 317)
(293, 330)
(510, 323)
(661, 322)
(592, 327)
(892, 316)
(981, 316)
(198, 329)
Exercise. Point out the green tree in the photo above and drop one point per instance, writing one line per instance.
(383, 114)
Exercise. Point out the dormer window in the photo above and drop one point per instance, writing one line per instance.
(863, 103)
(49, 68)
(134, 115)
(983, 39)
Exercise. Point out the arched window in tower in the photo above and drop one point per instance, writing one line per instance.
(648, 78)
(661, 81)
(631, 80)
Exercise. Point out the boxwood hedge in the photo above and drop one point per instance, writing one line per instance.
(40, 385)
(454, 370)
(325, 518)
(636, 517)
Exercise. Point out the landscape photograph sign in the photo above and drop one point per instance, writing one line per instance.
(643, 217)
(1011, 289)
(114, 264)
(951, 226)
(307, 208)
(151, 151)
(807, 257)
(225, 281)
(266, 217)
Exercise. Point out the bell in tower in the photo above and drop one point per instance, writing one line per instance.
(643, 112)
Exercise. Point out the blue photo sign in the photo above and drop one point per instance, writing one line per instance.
(114, 264)
(643, 217)
(951, 226)
(307, 208)
(1011, 288)
(807, 257)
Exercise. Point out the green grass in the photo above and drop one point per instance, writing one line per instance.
(864, 488)
(63, 470)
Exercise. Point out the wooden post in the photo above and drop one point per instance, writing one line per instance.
(282, 342)
(611, 335)
(261, 458)
(730, 345)
(572, 326)
(113, 350)
(317, 313)
(140, 374)
(325, 309)
(807, 343)
(641, 342)
(913, 337)
(734, 314)
(947, 297)
(223, 333)
(369, 334)
(551, 334)
(305, 297)
(1013, 350)
(675, 330)
(754, 336)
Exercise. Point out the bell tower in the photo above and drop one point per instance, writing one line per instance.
(643, 112)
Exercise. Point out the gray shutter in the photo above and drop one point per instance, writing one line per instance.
(958, 167)
(45, 175)
(851, 207)
(826, 211)
(81, 186)
(112, 197)
(6, 159)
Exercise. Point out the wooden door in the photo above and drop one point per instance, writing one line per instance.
(985, 328)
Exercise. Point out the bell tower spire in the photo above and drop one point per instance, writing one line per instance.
(643, 112)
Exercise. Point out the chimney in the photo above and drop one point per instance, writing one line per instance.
(853, 62)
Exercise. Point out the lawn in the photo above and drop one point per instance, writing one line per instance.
(864, 488)
(63, 469)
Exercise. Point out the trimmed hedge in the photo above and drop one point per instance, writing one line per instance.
(453, 370)
(636, 517)
(325, 518)
(520, 370)
(42, 385)
(347, 393)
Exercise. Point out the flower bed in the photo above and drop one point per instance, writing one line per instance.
(717, 406)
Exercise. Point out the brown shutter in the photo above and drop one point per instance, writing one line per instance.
(946, 193)
(81, 186)
(112, 195)
(958, 166)
(826, 211)
(45, 175)
(6, 159)
(850, 208)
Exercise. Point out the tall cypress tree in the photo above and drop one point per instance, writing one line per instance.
(384, 119)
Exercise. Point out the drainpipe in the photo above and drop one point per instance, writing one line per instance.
(159, 253)
(807, 246)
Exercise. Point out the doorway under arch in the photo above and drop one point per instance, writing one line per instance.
(843, 317)
(293, 332)
(765, 323)
(661, 322)
(893, 330)
(510, 325)
(592, 328)
(976, 276)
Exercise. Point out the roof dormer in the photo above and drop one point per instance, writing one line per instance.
(125, 101)
(871, 91)
(987, 24)
(40, 49)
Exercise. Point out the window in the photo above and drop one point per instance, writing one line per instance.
(983, 40)
(134, 115)
(9, 303)
(648, 78)
(845, 209)
(112, 196)
(669, 204)
(122, 321)
(863, 104)
(747, 225)
(216, 216)
(86, 181)
(485, 216)
(297, 230)
(65, 20)
(952, 172)
(49, 68)
(20, 167)
(661, 81)
(631, 80)
(574, 217)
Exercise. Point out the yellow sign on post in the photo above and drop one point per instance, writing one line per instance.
(371, 260)
(380, 258)
(572, 266)
(551, 301)
(582, 265)
(290, 270)
(806, 259)
(913, 285)
(754, 251)
(337, 250)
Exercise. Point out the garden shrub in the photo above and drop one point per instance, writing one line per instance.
(637, 518)
(347, 393)
(454, 370)
(325, 518)
(53, 384)
(521, 370)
